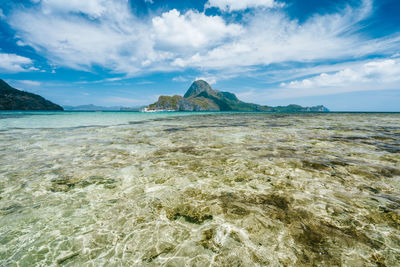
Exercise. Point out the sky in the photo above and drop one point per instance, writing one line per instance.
(343, 54)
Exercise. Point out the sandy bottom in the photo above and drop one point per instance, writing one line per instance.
(204, 190)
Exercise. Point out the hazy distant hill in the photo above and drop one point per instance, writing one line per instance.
(92, 107)
(201, 97)
(14, 99)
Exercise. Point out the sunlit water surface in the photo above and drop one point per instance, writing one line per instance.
(134, 189)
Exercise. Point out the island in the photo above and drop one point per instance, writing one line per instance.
(201, 97)
(14, 99)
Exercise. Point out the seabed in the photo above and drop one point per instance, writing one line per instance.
(203, 190)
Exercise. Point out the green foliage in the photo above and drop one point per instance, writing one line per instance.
(201, 97)
(13, 99)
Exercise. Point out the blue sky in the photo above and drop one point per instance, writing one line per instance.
(342, 54)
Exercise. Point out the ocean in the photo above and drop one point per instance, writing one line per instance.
(199, 189)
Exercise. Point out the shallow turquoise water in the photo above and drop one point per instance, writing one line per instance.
(15, 119)
(212, 189)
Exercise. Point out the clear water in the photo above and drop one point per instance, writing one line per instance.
(170, 189)
(15, 119)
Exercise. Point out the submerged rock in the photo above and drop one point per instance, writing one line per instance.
(65, 183)
(97, 180)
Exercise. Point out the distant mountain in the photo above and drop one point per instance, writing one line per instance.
(133, 108)
(14, 99)
(92, 107)
(201, 97)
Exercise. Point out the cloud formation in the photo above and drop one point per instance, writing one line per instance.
(106, 33)
(29, 82)
(173, 30)
(384, 72)
(369, 76)
(11, 63)
(272, 37)
(93, 8)
(235, 5)
(58, 31)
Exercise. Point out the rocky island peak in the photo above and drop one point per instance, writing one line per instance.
(202, 97)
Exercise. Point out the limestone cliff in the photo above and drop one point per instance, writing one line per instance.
(201, 97)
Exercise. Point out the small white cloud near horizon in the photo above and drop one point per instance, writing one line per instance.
(122, 100)
(144, 82)
(386, 71)
(115, 79)
(209, 79)
(29, 82)
(180, 79)
(236, 5)
(12, 63)
(368, 76)
(21, 43)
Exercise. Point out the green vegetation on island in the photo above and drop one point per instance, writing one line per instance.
(14, 99)
(201, 97)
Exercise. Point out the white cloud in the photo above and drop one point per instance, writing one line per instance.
(368, 75)
(116, 39)
(93, 8)
(29, 82)
(235, 5)
(10, 63)
(373, 75)
(192, 29)
(180, 79)
(112, 37)
(115, 79)
(209, 79)
(78, 42)
(145, 82)
(122, 100)
(290, 72)
(272, 37)
(20, 43)
(386, 71)
(247, 95)
(2, 16)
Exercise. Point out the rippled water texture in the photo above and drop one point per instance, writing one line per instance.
(201, 190)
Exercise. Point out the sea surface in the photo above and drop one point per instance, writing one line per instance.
(199, 189)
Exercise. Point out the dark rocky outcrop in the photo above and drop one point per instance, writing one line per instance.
(197, 87)
(14, 99)
(201, 97)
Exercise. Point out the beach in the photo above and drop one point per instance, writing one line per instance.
(206, 189)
